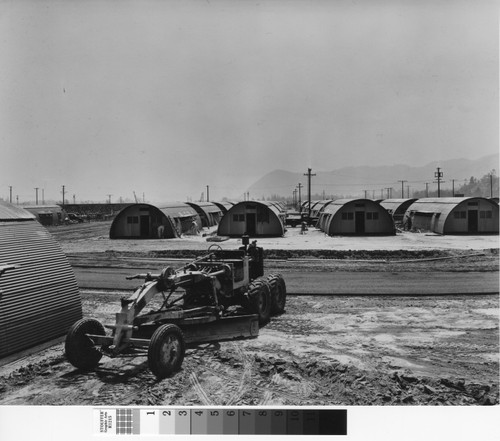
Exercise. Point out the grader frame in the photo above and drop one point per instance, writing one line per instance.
(224, 296)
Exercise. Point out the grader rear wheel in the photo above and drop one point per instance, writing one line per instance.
(278, 293)
(166, 350)
(80, 350)
(259, 300)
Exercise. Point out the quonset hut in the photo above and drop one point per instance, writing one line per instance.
(224, 206)
(469, 215)
(39, 298)
(397, 208)
(210, 213)
(319, 207)
(355, 217)
(255, 218)
(146, 221)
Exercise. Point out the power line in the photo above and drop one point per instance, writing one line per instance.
(438, 174)
(309, 175)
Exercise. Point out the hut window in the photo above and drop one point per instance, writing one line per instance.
(238, 218)
(485, 214)
(359, 205)
(473, 204)
(459, 215)
(348, 216)
(132, 219)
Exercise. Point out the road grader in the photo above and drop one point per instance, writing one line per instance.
(220, 296)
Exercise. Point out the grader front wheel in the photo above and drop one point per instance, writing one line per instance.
(166, 350)
(259, 300)
(80, 350)
(278, 293)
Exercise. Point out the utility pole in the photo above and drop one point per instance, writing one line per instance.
(309, 174)
(10, 194)
(43, 196)
(300, 201)
(427, 189)
(63, 187)
(36, 190)
(366, 191)
(438, 175)
(109, 198)
(453, 187)
(388, 189)
(74, 199)
(408, 188)
(208, 193)
(402, 188)
(491, 185)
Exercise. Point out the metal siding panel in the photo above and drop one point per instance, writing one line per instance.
(40, 300)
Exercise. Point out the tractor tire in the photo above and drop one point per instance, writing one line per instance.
(80, 350)
(166, 350)
(277, 287)
(259, 300)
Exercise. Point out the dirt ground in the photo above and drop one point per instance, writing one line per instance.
(324, 350)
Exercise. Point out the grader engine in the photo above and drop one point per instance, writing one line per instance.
(220, 296)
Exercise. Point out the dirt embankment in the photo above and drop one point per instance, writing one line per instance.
(322, 351)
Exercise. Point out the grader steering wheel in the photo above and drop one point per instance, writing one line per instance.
(214, 248)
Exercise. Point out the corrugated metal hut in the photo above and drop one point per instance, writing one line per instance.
(147, 221)
(468, 215)
(356, 217)
(397, 208)
(256, 218)
(224, 206)
(210, 213)
(39, 298)
(319, 207)
(47, 214)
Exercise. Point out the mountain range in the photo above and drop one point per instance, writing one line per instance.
(373, 181)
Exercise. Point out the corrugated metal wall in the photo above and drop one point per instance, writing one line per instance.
(40, 300)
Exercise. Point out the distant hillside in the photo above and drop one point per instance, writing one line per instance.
(353, 181)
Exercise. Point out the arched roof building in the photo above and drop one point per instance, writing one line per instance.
(468, 215)
(147, 221)
(39, 298)
(255, 218)
(397, 207)
(355, 217)
(224, 206)
(210, 213)
(319, 207)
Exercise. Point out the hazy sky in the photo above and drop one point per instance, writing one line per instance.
(167, 97)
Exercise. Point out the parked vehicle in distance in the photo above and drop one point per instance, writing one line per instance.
(73, 218)
(294, 218)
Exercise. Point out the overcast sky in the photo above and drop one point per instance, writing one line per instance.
(167, 97)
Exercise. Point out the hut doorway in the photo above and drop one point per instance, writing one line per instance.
(359, 222)
(251, 224)
(472, 221)
(144, 226)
